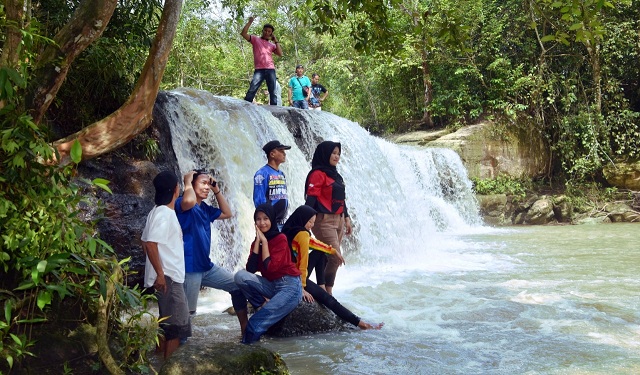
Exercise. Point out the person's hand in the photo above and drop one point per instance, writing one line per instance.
(347, 224)
(260, 236)
(160, 284)
(251, 19)
(273, 38)
(307, 296)
(340, 258)
(212, 183)
(188, 178)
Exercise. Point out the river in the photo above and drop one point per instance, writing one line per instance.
(456, 297)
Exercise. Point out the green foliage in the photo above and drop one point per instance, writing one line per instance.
(48, 254)
(500, 185)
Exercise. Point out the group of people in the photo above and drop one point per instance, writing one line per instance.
(177, 240)
(303, 93)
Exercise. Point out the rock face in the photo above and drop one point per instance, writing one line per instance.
(500, 209)
(486, 154)
(223, 359)
(308, 318)
(624, 175)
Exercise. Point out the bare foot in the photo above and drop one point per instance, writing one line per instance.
(364, 325)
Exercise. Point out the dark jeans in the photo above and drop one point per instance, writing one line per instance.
(259, 76)
(331, 303)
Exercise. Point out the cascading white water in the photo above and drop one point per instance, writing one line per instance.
(397, 196)
(456, 297)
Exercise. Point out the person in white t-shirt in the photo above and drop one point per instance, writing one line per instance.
(164, 267)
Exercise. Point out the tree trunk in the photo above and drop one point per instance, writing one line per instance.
(86, 25)
(11, 48)
(134, 116)
(428, 89)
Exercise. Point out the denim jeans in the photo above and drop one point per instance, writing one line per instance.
(284, 294)
(259, 76)
(302, 104)
(218, 278)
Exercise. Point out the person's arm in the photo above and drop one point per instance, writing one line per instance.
(324, 95)
(302, 241)
(189, 196)
(222, 203)
(278, 50)
(308, 84)
(348, 226)
(151, 249)
(260, 188)
(254, 257)
(262, 240)
(290, 93)
(245, 29)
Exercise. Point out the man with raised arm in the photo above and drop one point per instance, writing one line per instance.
(264, 69)
(195, 217)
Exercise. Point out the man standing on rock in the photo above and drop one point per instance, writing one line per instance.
(270, 183)
(264, 68)
(195, 217)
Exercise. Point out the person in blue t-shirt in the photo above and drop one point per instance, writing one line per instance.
(270, 183)
(297, 86)
(195, 217)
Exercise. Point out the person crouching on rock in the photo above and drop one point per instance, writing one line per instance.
(278, 291)
(296, 228)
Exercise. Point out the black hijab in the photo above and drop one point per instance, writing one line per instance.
(296, 222)
(268, 210)
(320, 161)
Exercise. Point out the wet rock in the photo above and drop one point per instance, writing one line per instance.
(540, 212)
(562, 209)
(621, 213)
(308, 318)
(223, 359)
(493, 208)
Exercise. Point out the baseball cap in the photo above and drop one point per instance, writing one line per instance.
(270, 146)
(299, 66)
(165, 183)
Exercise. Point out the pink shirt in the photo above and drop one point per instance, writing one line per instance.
(262, 50)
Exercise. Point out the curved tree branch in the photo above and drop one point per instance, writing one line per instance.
(86, 25)
(134, 116)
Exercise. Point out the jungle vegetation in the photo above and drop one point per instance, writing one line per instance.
(78, 78)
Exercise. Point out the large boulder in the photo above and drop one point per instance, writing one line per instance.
(623, 174)
(308, 318)
(488, 151)
(619, 212)
(493, 209)
(226, 358)
(540, 212)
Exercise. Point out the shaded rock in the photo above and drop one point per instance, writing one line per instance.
(562, 209)
(223, 359)
(624, 175)
(308, 318)
(493, 208)
(540, 212)
(621, 213)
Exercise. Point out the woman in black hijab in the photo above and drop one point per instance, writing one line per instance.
(278, 290)
(296, 228)
(325, 192)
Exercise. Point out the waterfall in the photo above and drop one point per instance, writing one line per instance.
(399, 197)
